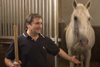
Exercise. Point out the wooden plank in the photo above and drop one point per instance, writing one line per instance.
(6, 37)
(5, 42)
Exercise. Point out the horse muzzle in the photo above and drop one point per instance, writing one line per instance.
(84, 42)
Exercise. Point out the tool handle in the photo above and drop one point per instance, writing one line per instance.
(16, 43)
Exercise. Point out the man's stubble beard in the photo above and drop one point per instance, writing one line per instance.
(34, 32)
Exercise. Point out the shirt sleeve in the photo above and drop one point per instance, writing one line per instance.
(52, 47)
(10, 52)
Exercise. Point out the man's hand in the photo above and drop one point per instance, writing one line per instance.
(67, 57)
(74, 60)
(16, 64)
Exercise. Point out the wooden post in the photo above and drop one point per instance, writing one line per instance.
(16, 43)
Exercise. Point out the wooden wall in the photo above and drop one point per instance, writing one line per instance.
(4, 45)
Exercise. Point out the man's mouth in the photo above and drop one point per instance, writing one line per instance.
(38, 29)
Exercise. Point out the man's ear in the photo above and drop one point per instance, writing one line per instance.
(88, 5)
(27, 24)
(74, 3)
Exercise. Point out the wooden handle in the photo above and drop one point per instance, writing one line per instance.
(16, 43)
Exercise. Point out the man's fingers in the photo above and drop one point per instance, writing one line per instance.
(20, 62)
(74, 60)
(16, 64)
(77, 61)
(73, 57)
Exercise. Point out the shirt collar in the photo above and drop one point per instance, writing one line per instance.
(26, 35)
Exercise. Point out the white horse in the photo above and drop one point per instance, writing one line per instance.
(80, 36)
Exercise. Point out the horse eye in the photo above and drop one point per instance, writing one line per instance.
(88, 19)
(75, 18)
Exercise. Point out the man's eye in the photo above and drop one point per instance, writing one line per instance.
(36, 23)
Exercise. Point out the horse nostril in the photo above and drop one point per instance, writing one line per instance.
(81, 41)
(75, 18)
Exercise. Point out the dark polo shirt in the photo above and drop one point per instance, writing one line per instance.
(33, 53)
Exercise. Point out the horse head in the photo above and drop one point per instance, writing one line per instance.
(81, 20)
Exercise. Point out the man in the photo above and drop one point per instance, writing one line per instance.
(33, 46)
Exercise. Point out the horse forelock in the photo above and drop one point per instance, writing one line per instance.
(81, 9)
(81, 12)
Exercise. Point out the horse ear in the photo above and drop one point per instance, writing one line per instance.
(88, 4)
(74, 3)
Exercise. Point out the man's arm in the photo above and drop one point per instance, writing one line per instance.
(9, 63)
(67, 57)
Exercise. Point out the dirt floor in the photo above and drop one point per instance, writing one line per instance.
(65, 63)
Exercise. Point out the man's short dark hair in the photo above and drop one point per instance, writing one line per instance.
(30, 17)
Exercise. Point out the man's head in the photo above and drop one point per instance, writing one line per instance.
(34, 23)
